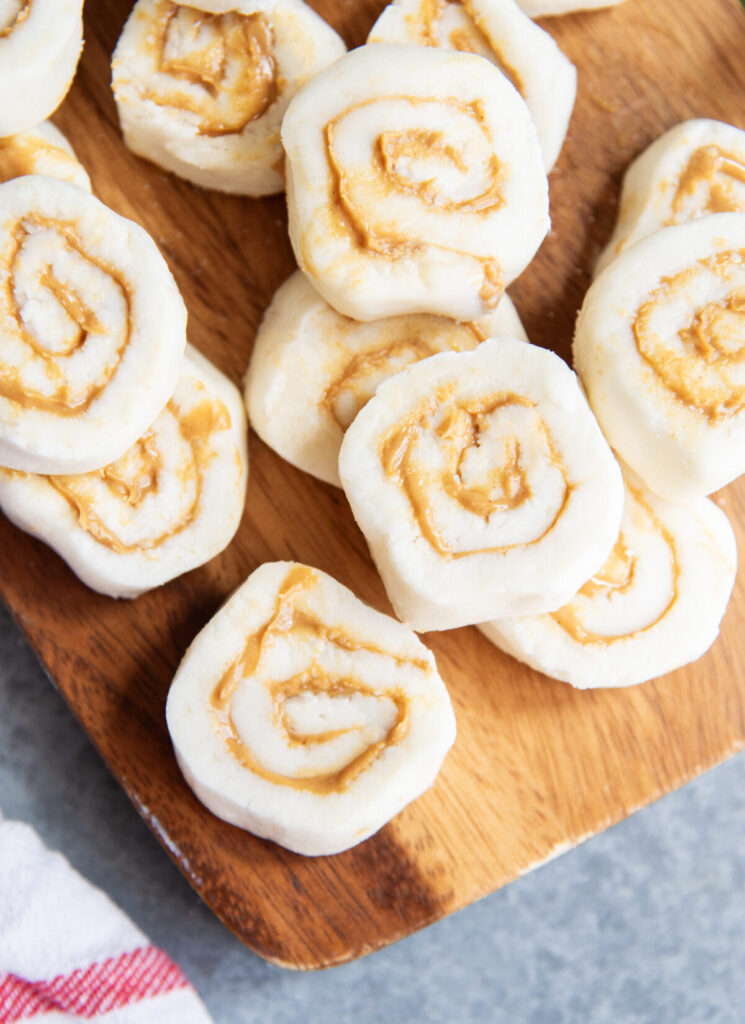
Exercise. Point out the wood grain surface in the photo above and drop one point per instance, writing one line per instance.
(537, 767)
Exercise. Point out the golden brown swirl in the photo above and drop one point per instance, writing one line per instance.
(139, 474)
(469, 34)
(290, 618)
(618, 575)
(229, 57)
(411, 163)
(58, 397)
(401, 343)
(701, 360)
(498, 484)
(19, 155)
(713, 181)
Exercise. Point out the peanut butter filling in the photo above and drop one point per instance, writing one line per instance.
(16, 19)
(229, 57)
(393, 153)
(19, 155)
(714, 176)
(291, 618)
(61, 402)
(471, 36)
(699, 372)
(460, 425)
(138, 473)
(616, 576)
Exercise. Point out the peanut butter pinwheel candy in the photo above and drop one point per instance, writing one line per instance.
(654, 605)
(304, 716)
(41, 150)
(547, 8)
(40, 44)
(483, 485)
(660, 348)
(201, 88)
(415, 183)
(172, 502)
(313, 369)
(92, 329)
(695, 169)
(501, 32)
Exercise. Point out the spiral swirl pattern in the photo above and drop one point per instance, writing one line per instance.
(473, 475)
(691, 332)
(404, 189)
(60, 353)
(712, 181)
(92, 328)
(293, 623)
(170, 503)
(635, 588)
(485, 468)
(154, 491)
(201, 87)
(304, 716)
(220, 67)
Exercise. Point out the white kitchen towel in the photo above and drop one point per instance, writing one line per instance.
(68, 953)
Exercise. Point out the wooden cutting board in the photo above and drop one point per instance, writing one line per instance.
(536, 767)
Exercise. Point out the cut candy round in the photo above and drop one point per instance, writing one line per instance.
(655, 604)
(41, 150)
(415, 183)
(313, 369)
(201, 88)
(695, 169)
(92, 329)
(172, 502)
(660, 348)
(304, 716)
(501, 32)
(40, 44)
(483, 485)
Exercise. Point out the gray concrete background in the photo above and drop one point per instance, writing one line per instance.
(642, 925)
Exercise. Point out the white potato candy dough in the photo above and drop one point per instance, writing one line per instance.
(654, 605)
(201, 88)
(501, 32)
(313, 369)
(660, 349)
(546, 8)
(415, 183)
(41, 150)
(40, 44)
(171, 502)
(305, 717)
(483, 485)
(694, 169)
(92, 329)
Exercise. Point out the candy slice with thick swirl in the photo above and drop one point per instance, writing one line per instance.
(92, 329)
(313, 369)
(201, 88)
(501, 32)
(654, 605)
(41, 150)
(171, 502)
(304, 716)
(693, 170)
(483, 485)
(415, 183)
(660, 348)
(40, 44)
